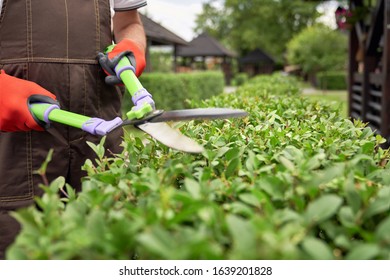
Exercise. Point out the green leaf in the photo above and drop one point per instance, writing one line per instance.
(30, 219)
(250, 199)
(342, 241)
(315, 161)
(273, 186)
(368, 148)
(232, 167)
(317, 249)
(347, 217)
(42, 170)
(158, 241)
(352, 196)
(243, 235)
(222, 151)
(383, 231)
(287, 163)
(98, 149)
(379, 205)
(57, 184)
(363, 252)
(193, 187)
(322, 208)
(96, 225)
(285, 215)
(151, 178)
(327, 175)
(252, 163)
(233, 153)
(89, 167)
(239, 209)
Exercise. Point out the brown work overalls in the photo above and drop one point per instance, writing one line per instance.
(53, 43)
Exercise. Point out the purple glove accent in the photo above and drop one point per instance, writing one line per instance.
(141, 97)
(101, 127)
(124, 68)
(48, 111)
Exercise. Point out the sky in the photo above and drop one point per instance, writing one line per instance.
(179, 16)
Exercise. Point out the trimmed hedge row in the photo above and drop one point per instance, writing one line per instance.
(334, 80)
(173, 90)
(293, 180)
(240, 79)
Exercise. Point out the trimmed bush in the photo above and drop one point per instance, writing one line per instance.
(240, 79)
(334, 80)
(172, 90)
(293, 180)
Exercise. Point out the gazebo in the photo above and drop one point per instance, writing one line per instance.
(205, 46)
(256, 62)
(369, 64)
(157, 35)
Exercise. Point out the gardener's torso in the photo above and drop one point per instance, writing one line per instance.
(54, 44)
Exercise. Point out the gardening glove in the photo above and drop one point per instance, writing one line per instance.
(114, 53)
(15, 97)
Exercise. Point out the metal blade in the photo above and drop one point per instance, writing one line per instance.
(171, 137)
(194, 114)
(189, 114)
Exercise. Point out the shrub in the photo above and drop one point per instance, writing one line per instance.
(293, 180)
(318, 48)
(161, 61)
(240, 79)
(334, 80)
(172, 90)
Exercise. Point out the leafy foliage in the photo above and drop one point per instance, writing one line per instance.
(266, 24)
(293, 180)
(333, 80)
(173, 90)
(213, 20)
(318, 48)
(161, 61)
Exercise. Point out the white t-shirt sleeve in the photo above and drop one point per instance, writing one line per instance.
(125, 5)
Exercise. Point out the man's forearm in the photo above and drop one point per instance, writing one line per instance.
(128, 25)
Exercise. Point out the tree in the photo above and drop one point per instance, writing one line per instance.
(318, 48)
(265, 24)
(214, 20)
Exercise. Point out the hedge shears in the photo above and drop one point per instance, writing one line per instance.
(144, 117)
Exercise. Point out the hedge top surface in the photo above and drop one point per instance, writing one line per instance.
(293, 180)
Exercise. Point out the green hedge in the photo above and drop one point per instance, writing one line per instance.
(172, 90)
(293, 180)
(336, 80)
(240, 79)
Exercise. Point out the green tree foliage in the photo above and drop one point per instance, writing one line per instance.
(214, 21)
(318, 48)
(246, 25)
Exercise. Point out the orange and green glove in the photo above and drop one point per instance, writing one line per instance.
(114, 53)
(16, 95)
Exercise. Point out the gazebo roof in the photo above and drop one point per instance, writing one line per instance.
(204, 45)
(159, 34)
(256, 56)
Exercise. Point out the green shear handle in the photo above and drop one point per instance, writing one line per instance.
(142, 99)
(96, 126)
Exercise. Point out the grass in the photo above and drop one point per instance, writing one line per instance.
(338, 98)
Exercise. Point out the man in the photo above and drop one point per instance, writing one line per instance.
(48, 53)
